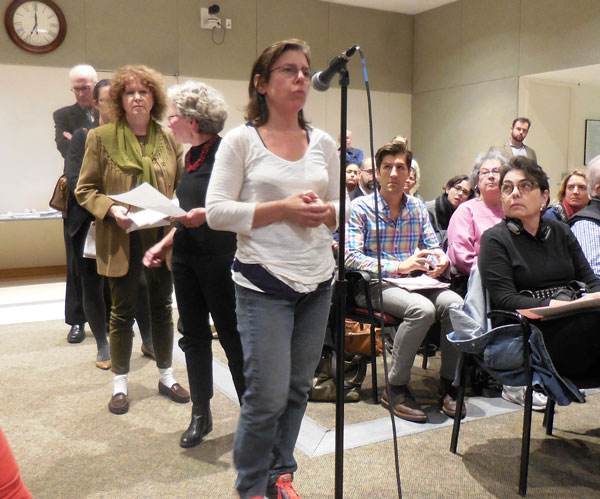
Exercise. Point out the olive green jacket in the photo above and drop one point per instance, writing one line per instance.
(101, 177)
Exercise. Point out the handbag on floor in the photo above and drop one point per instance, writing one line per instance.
(323, 386)
(60, 197)
(358, 338)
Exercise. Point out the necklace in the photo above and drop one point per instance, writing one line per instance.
(192, 167)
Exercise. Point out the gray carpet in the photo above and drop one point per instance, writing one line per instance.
(54, 414)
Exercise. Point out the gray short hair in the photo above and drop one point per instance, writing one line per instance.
(593, 176)
(491, 154)
(194, 99)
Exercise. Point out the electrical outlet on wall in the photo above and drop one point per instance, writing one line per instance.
(228, 23)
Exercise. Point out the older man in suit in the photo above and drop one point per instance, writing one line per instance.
(514, 145)
(66, 120)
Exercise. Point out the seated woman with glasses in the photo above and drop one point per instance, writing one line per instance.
(457, 191)
(524, 257)
(472, 218)
(572, 196)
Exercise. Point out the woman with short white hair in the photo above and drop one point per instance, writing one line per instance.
(202, 257)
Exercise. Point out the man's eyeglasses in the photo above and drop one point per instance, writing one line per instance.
(494, 172)
(291, 71)
(464, 192)
(524, 187)
(79, 90)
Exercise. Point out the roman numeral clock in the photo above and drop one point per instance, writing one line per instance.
(37, 26)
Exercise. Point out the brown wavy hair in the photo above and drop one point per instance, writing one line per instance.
(149, 77)
(257, 110)
(393, 148)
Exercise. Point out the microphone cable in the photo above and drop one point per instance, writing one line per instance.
(379, 277)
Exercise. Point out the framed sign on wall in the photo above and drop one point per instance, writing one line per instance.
(592, 140)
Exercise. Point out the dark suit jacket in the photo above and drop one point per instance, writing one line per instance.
(356, 193)
(78, 218)
(508, 153)
(68, 119)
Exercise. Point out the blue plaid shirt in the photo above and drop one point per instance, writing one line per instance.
(587, 233)
(399, 238)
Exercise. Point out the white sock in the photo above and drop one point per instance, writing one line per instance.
(166, 377)
(120, 384)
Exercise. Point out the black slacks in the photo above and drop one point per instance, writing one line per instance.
(203, 286)
(74, 313)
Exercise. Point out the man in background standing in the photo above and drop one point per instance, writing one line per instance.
(514, 145)
(66, 120)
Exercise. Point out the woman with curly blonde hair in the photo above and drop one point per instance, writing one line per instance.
(119, 156)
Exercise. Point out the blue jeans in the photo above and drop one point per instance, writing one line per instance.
(282, 340)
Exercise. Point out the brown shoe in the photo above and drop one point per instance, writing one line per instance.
(177, 393)
(404, 404)
(148, 353)
(104, 364)
(449, 407)
(118, 404)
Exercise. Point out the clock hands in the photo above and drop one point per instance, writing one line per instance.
(36, 21)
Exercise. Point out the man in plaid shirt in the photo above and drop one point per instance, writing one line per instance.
(408, 244)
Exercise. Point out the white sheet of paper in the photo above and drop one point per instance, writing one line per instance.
(147, 197)
(147, 219)
(415, 283)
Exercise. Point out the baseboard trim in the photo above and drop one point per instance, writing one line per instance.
(55, 270)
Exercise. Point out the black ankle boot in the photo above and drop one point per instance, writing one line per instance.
(200, 426)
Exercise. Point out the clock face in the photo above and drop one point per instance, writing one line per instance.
(35, 25)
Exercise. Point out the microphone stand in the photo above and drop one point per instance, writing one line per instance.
(341, 289)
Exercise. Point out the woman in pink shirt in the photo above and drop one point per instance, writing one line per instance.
(472, 218)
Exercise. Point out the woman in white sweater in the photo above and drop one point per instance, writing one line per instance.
(275, 183)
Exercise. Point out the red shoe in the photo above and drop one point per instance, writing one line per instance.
(282, 488)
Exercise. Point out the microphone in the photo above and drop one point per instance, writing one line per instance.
(321, 80)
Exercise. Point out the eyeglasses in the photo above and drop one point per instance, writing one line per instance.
(464, 192)
(494, 172)
(524, 187)
(79, 90)
(291, 71)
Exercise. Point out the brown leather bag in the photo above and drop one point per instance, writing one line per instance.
(60, 197)
(358, 338)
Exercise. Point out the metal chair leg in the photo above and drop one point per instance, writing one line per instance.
(460, 400)
(549, 416)
(526, 440)
(374, 364)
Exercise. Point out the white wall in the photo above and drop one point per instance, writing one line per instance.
(548, 106)
(558, 111)
(31, 162)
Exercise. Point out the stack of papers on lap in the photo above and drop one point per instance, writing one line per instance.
(416, 283)
(588, 303)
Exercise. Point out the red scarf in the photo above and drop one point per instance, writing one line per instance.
(192, 167)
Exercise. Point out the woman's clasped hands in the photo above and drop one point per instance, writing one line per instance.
(306, 208)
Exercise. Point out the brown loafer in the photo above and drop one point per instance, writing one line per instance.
(404, 404)
(119, 404)
(449, 407)
(177, 393)
(148, 353)
(104, 364)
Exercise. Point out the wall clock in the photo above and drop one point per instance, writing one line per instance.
(37, 26)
